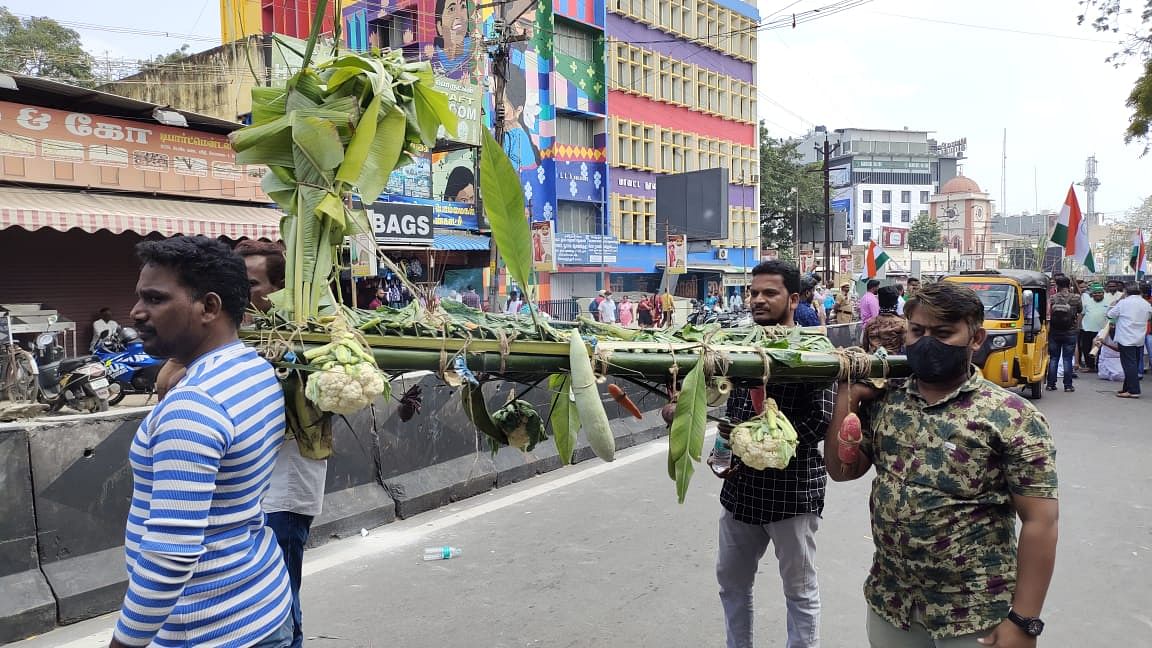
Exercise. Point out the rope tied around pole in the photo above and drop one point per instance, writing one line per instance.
(855, 363)
(767, 360)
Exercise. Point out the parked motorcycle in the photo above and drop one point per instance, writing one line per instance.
(79, 383)
(129, 368)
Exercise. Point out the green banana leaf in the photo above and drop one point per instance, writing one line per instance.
(504, 207)
(686, 438)
(564, 418)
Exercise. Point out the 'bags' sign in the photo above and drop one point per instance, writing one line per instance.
(402, 223)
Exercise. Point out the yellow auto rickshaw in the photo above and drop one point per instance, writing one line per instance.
(1015, 353)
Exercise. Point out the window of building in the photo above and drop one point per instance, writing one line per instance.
(905, 197)
(867, 196)
(886, 216)
(577, 218)
(573, 40)
(867, 216)
(923, 213)
(886, 197)
(636, 219)
(866, 235)
(905, 215)
(923, 197)
(574, 131)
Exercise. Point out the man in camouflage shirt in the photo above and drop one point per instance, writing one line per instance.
(957, 459)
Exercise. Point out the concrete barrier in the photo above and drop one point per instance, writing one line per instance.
(68, 487)
(26, 605)
(83, 489)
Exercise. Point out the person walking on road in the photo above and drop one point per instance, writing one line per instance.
(887, 329)
(845, 305)
(1063, 323)
(870, 303)
(1094, 320)
(203, 570)
(777, 507)
(667, 309)
(957, 460)
(1131, 314)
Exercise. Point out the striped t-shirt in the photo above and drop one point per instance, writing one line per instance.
(203, 570)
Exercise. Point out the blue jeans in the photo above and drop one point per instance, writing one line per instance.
(1061, 346)
(281, 638)
(291, 531)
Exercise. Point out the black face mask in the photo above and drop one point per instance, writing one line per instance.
(934, 361)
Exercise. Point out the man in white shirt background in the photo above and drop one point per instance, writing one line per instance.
(104, 325)
(1131, 314)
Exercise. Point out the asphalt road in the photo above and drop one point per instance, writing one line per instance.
(602, 555)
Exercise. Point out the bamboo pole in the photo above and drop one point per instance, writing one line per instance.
(641, 360)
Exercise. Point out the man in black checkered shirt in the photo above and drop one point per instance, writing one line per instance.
(778, 507)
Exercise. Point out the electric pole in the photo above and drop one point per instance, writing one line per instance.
(826, 151)
(499, 52)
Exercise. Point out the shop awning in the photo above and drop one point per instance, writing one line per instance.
(461, 242)
(33, 209)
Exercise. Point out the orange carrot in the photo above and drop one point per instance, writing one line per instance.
(622, 400)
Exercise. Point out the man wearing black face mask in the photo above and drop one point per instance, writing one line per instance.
(957, 458)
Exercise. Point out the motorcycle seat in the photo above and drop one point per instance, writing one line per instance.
(71, 364)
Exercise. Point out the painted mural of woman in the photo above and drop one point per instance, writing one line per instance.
(454, 52)
(518, 143)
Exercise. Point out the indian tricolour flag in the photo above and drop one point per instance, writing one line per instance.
(1071, 232)
(875, 259)
(1138, 255)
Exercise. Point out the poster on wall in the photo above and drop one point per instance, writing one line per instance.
(454, 177)
(543, 247)
(807, 261)
(362, 255)
(450, 39)
(414, 179)
(677, 251)
(894, 238)
(845, 264)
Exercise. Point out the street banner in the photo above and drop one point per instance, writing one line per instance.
(543, 247)
(677, 251)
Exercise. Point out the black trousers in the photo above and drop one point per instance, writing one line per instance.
(1130, 360)
(1087, 360)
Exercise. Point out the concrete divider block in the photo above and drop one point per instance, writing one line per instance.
(514, 466)
(88, 585)
(26, 606)
(83, 488)
(26, 603)
(434, 486)
(349, 510)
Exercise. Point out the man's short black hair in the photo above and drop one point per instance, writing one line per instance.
(873, 283)
(204, 266)
(888, 296)
(787, 272)
(948, 301)
(1063, 281)
(105, 310)
(911, 279)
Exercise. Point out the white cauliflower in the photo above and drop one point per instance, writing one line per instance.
(345, 389)
(767, 441)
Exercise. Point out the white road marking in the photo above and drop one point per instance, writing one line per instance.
(404, 533)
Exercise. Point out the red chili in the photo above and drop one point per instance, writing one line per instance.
(622, 400)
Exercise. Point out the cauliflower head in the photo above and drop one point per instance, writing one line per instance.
(345, 389)
(761, 445)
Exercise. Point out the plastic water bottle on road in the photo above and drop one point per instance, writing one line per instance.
(441, 553)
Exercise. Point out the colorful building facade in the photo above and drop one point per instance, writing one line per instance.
(682, 97)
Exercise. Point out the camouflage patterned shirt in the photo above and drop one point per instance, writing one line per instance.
(943, 522)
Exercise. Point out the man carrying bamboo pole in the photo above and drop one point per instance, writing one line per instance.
(778, 507)
(957, 459)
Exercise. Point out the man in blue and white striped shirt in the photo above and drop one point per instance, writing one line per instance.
(203, 569)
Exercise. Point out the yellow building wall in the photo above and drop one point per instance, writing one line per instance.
(239, 19)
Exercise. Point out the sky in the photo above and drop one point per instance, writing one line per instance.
(959, 69)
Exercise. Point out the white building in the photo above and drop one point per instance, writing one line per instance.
(884, 178)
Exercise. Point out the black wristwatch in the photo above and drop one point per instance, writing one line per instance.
(1032, 626)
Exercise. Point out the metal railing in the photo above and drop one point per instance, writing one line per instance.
(564, 310)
